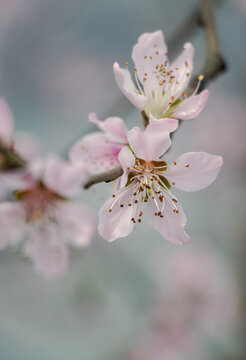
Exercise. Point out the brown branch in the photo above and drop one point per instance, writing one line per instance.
(10, 159)
(214, 65)
(106, 176)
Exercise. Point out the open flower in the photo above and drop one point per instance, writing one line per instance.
(42, 220)
(99, 150)
(159, 88)
(148, 178)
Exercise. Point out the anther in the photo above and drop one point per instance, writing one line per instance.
(187, 165)
(113, 195)
(173, 182)
(110, 210)
(201, 77)
(174, 163)
(144, 79)
(129, 204)
(121, 205)
(136, 201)
(126, 63)
(139, 220)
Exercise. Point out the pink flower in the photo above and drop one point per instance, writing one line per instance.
(42, 220)
(159, 89)
(148, 178)
(99, 150)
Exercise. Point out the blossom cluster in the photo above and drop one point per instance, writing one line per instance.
(38, 216)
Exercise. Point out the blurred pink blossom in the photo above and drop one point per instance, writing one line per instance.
(42, 220)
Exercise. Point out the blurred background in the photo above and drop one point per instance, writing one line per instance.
(139, 298)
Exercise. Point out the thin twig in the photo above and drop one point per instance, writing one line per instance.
(214, 65)
(106, 176)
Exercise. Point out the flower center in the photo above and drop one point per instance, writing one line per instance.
(146, 181)
(39, 202)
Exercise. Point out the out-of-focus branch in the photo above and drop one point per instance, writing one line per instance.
(214, 65)
(9, 159)
(106, 176)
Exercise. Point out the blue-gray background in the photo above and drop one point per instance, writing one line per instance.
(56, 62)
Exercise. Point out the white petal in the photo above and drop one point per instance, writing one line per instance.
(26, 145)
(96, 152)
(62, 177)
(194, 170)
(48, 251)
(6, 122)
(114, 128)
(125, 83)
(127, 160)
(11, 222)
(151, 143)
(171, 226)
(149, 52)
(168, 124)
(117, 224)
(15, 180)
(126, 157)
(77, 223)
(182, 68)
(191, 107)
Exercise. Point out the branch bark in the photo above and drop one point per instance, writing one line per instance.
(106, 176)
(213, 66)
(214, 63)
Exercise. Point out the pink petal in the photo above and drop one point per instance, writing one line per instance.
(117, 224)
(171, 226)
(11, 222)
(12, 180)
(77, 224)
(126, 157)
(149, 52)
(126, 85)
(6, 123)
(151, 143)
(48, 251)
(96, 152)
(194, 170)
(184, 65)
(26, 145)
(168, 124)
(127, 160)
(192, 106)
(62, 177)
(114, 128)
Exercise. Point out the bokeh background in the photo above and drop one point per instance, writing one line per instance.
(140, 298)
